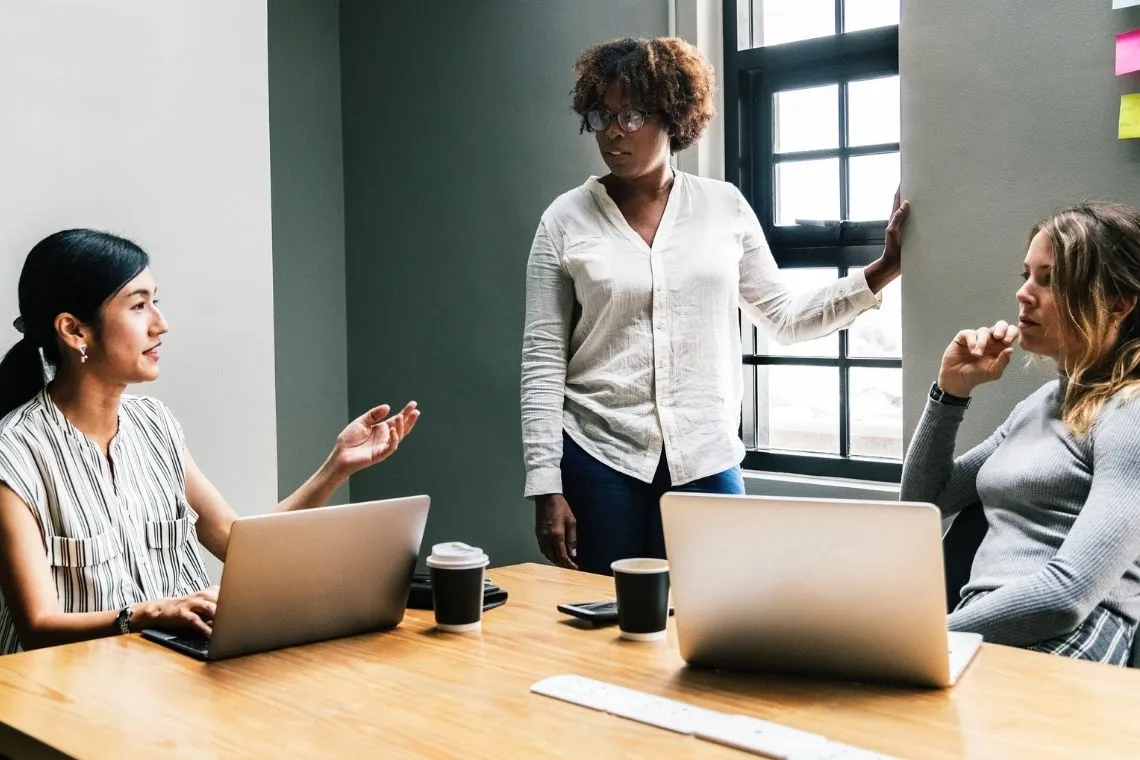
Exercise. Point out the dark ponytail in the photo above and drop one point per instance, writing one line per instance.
(73, 272)
(21, 375)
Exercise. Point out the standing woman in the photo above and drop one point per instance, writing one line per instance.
(631, 374)
(101, 504)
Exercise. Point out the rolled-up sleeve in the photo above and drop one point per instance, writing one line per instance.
(793, 317)
(546, 340)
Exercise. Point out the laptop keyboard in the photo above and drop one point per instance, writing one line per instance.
(196, 643)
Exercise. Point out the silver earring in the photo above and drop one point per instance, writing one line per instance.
(82, 353)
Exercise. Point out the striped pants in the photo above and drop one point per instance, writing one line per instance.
(1104, 637)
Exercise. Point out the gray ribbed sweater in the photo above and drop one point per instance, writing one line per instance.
(1063, 512)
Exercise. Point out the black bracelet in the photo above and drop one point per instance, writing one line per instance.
(942, 397)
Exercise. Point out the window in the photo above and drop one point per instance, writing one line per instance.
(812, 125)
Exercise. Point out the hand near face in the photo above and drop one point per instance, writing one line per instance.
(372, 437)
(975, 357)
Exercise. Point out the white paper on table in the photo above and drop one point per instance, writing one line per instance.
(1124, 3)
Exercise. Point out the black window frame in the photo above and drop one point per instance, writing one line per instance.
(752, 77)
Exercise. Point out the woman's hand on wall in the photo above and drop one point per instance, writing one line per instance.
(883, 270)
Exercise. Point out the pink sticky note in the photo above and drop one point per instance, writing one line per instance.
(1128, 52)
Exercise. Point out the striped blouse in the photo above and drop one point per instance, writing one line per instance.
(113, 535)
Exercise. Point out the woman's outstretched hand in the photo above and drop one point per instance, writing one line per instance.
(372, 438)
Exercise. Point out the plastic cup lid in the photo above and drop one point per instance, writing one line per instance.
(456, 554)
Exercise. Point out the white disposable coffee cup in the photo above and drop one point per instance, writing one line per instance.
(457, 571)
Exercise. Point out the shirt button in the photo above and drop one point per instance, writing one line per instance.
(660, 325)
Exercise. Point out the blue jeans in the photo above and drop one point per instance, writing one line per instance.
(619, 516)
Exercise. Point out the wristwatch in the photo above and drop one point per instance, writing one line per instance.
(123, 620)
(942, 397)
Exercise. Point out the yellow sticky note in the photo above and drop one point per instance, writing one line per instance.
(1129, 116)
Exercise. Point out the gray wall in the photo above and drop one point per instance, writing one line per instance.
(308, 235)
(151, 120)
(1009, 113)
(457, 134)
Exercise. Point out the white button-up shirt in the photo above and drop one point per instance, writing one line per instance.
(630, 348)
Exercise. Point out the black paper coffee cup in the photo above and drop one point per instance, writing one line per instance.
(642, 587)
(457, 586)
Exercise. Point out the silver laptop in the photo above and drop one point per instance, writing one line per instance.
(832, 587)
(314, 574)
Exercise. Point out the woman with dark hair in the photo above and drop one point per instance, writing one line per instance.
(1059, 568)
(631, 374)
(101, 504)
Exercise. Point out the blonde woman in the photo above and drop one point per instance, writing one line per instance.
(1059, 568)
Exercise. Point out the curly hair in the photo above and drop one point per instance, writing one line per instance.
(665, 75)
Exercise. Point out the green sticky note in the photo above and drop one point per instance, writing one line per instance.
(1129, 116)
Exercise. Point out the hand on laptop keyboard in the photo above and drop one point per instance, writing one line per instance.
(192, 613)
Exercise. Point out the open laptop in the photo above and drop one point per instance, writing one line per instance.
(832, 587)
(309, 575)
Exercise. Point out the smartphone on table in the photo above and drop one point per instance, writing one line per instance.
(604, 612)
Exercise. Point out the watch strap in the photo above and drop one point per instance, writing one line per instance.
(123, 620)
(949, 399)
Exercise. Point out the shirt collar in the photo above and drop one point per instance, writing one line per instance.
(594, 184)
(60, 420)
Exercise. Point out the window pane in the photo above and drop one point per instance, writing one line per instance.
(868, 14)
(807, 190)
(807, 119)
(801, 406)
(791, 20)
(873, 111)
(877, 333)
(874, 180)
(799, 280)
(743, 22)
(876, 412)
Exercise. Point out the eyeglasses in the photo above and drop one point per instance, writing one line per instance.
(629, 120)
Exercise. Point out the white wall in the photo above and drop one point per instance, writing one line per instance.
(1009, 112)
(700, 23)
(150, 119)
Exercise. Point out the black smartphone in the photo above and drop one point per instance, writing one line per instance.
(598, 613)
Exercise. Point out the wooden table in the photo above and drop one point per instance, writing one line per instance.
(414, 692)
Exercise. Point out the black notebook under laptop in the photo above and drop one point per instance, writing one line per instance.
(420, 596)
